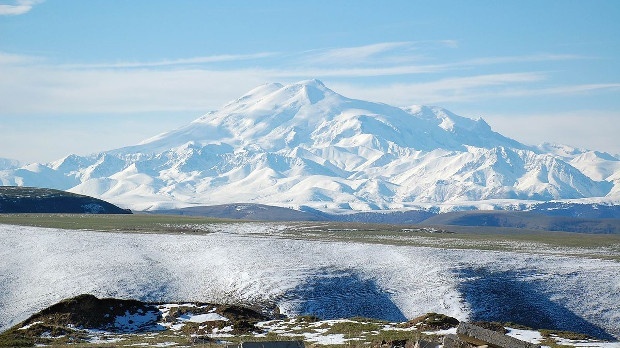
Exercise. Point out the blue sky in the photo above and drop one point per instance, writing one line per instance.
(86, 76)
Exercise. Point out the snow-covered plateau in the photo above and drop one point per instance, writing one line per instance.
(304, 145)
(256, 263)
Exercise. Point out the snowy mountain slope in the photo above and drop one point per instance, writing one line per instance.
(305, 145)
(599, 166)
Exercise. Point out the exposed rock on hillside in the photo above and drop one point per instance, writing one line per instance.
(81, 318)
(85, 319)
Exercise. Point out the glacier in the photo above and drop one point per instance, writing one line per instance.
(303, 144)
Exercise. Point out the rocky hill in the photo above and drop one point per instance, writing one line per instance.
(80, 319)
(16, 199)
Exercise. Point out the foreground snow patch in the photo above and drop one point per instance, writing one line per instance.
(202, 318)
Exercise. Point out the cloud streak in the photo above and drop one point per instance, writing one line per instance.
(349, 55)
(16, 59)
(469, 88)
(316, 72)
(120, 91)
(565, 90)
(167, 63)
(521, 59)
(200, 83)
(374, 54)
(19, 8)
(61, 90)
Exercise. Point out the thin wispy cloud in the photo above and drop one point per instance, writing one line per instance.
(375, 54)
(483, 80)
(10, 59)
(194, 84)
(315, 64)
(470, 88)
(357, 72)
(449, 43)
(395, 58)
(185, 61)
(522, 59)
(354, 54)
(574, 89)
(18, 7)
(71, 91)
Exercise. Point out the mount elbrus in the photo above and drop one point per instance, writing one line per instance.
(304, 145)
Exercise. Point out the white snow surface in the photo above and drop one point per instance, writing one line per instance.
(202, 318)
(305, 145)
(536, 338)
(251, 263)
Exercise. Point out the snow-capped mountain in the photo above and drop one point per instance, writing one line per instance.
(305, 145)
(7, 163)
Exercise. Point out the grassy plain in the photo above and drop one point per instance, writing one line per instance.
(139, 223)
(605, 246)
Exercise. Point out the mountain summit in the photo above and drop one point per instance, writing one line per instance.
(305, 145)
(307, 114)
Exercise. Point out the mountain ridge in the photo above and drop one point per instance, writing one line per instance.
(305, 145)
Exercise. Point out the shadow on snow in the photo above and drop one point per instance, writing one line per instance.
(509, 297)
(335, 295)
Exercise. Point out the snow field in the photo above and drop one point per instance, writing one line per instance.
(253, 263)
